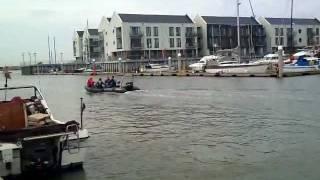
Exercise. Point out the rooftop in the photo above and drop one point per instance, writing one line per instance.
(297, 21)
(80, 33)
(229, 20)
(148, 18)
(93, 31)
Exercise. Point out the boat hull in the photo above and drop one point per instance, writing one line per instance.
(105, 90)
(299, 69)
(238, 69)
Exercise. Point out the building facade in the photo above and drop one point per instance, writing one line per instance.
(219, 33)
(91, 46)
(140, 36)
(77, 46)
(278, 30)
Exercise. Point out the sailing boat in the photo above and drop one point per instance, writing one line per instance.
(216, 67)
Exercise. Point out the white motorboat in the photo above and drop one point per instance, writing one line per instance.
(31, 140)
(236, 68)
(154, 68)
(302, 65)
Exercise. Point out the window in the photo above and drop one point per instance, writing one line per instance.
(277, 41)
(281, 31)
(171, 42)
(149, 43)
(171, 31)
(317, 40)
(148, 31)
(155, 31)
(300, 31)
(119, 43)
(178, 31)
(281, 41)
(156, 43)
(178, 42)
(135, 30)
(300, 40)
(317, 31)
(276, 31)
(189, 31)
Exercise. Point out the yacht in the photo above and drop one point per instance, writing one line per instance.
(216, 67)
(31, 139)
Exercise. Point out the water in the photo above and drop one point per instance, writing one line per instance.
(194, 128)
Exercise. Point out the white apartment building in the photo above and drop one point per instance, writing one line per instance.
(141, 36)
(305, 32)
(77, 45)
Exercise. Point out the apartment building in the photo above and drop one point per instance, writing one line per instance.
(77, 45)
(141, 36)
(91, 46)
(219, 33)
(278, 30)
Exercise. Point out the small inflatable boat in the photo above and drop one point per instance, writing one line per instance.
(101, 90)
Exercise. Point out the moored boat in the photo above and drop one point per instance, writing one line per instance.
(31, 140)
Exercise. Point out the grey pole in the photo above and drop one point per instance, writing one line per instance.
(238, 29)
(169, 63)
(23, 59)
(280, 62)
(179, 62)
(29, 58)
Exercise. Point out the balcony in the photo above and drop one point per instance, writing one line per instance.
(191, 34)
(259, 34)
(134, 34)
(191, 45)
(137, 46)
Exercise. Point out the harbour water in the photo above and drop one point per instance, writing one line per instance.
(193, 127)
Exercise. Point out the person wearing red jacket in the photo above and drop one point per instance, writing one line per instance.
(90, 82)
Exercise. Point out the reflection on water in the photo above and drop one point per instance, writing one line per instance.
(194, 128)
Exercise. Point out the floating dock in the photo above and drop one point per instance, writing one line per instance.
(188, 74)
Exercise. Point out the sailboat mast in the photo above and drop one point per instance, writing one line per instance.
(238, 30)
(291, 27)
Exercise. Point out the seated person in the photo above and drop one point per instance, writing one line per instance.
(112, 83)
(100, 84)
(107, 80)
(90, 82)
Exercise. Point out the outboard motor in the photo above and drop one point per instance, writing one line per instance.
(40, 155)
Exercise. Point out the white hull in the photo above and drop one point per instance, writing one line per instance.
(156, 70)
(73, 154)
(299, 69)
(238, 69)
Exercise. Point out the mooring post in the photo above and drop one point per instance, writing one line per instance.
(280, 62)
(169, 63)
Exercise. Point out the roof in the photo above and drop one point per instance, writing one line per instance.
(155, 18)
(80, 33)
(93, 31)
(297, 21)
(229, 20)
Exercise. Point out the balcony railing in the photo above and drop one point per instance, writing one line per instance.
(191, 45)
(191, 34)
(137, 46)
(136, 34)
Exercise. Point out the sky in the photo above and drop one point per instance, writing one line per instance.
(26, 24)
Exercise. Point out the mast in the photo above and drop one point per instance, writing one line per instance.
(291, 27)
(238, 30)
(49, 50)
(54, 46)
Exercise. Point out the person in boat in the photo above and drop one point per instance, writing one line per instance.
(107, 80)
(100, 84)
(90, 82)
(112, 83)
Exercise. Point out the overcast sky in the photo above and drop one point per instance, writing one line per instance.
(26, 24)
